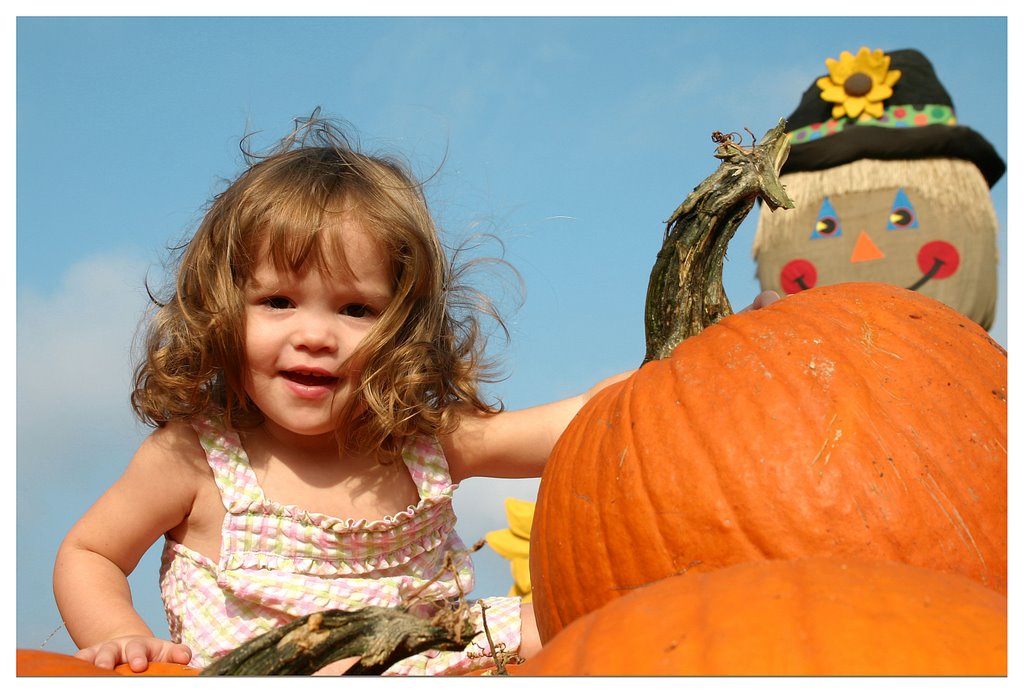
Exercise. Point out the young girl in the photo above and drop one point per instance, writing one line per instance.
(316, 405)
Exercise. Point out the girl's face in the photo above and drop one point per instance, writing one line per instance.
(301, 329)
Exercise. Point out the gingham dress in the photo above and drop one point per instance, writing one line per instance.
(280, 562)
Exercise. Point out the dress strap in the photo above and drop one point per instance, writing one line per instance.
(235, 478)
(428, 467)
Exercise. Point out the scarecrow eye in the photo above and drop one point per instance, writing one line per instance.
(827, 225)
(902, 215)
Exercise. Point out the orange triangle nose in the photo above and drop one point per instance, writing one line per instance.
(865, 249)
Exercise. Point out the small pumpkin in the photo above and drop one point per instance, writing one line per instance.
(811, 616)
(158, 670)
(39, 663)
(853, 420)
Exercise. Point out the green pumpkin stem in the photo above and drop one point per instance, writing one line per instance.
(685, 293)
(380, 636)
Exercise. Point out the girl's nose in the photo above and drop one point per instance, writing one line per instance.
(315, 333)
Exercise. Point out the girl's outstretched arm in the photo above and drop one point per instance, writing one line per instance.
(513, 444)
(153, 496)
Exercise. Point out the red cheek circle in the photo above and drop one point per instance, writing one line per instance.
(938, 253)
(798, 275)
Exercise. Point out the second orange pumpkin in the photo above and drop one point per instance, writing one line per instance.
(790, 617)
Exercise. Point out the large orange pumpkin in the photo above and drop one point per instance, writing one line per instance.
(857, 420)
(790, 617)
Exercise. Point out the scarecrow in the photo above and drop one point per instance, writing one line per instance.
(888, 188)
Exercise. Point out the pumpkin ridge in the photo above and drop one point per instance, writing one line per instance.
(697, 438)
(666, 516)
(937, 481)
(625, 484)
(761, 537)
(608, 489)
(609, 486)
(932, 429)
(956, 379)
(717, 486)
(641, 493)
(550, 562)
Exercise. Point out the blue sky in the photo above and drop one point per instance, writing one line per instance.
(570, 139)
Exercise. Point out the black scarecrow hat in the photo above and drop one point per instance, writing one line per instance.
(918, 121)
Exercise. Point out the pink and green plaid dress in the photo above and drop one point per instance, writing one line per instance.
(280, 562)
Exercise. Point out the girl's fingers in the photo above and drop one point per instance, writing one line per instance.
(763, 299)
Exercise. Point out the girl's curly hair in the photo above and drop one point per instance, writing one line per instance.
(425, 353)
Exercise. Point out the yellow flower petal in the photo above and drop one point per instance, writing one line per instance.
(840, 69)
(508, 545)
(520, 516)
(513, 543)
(874, 110)
(855, 106)
(879, 93)
(892, 77)
(521, 574)
(832, 93)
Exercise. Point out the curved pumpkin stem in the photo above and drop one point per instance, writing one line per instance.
(685, 293)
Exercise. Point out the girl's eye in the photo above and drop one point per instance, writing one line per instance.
(357, 311)
(277, 302)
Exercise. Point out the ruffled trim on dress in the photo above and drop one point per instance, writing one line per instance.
(260, 533)
(237, 553)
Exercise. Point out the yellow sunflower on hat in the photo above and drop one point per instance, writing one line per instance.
(858, 85)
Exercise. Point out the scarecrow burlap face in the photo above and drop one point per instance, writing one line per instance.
(925, 224)
(888, 187)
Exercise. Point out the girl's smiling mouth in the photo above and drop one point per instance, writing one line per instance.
(311, 378)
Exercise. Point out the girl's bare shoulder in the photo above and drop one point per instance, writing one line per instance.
(172, 446)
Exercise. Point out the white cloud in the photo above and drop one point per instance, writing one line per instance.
(74, 356)
(75, 430)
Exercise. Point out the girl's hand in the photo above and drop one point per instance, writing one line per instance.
(137, 651)
(762, 300)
